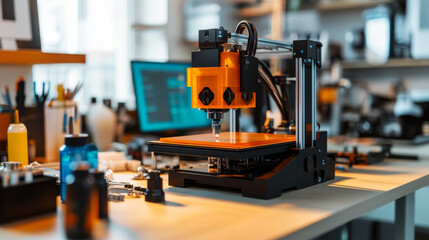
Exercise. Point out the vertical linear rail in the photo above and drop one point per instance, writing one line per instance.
(300, 103)
(307, 57)
(314, 96)
(154, 163)
(232, 120)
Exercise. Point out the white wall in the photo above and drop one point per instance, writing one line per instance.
(9, 73)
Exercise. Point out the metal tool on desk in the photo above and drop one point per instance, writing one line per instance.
(153, 192)
(12, 173)
(355, 157)
(223, 77)
(128, 191)
(142, 174)
(108, 175)
(116, 197)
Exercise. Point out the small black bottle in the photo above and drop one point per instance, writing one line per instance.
(102, 194)
(81, 208)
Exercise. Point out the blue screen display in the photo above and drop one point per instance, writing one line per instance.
(163, 100)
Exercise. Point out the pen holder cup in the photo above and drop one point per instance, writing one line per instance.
(34, 120)
(57, 115)
(5, 119)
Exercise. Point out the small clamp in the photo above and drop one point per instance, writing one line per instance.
(129, 191)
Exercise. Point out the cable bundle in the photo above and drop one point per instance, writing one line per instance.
(252, 41)
(264, 74)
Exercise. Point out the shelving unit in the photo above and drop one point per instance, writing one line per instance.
(392, 63)
(137, 26)
(14, 64)
(262, 9)
(265, 8)
(38, 57)
(334, 5)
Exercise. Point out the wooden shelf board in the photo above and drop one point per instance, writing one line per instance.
(332, 5)
(348, 4)
(146, 27)
(256, 11)
(38, 57)
(392, 63)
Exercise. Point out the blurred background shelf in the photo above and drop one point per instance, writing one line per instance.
(392, 63)
(262, 9)
(348, 4)
(137, 26)
(38, 57)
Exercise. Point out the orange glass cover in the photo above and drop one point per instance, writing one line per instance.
(237, 140)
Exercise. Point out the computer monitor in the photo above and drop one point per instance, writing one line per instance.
(162, 98)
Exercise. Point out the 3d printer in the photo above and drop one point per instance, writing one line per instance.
(261, 165)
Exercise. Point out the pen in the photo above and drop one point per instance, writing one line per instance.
(45, 91)
(41, 98)
(71, 131)
(67, 96)
(6, 96)
(76, 90)
(20, 94)
(36, 97)
(65, 123)
(60, 90)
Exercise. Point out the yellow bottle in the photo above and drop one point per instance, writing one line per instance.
(17, 145)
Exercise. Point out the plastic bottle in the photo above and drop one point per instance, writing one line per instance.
(17, 143)
(102, 125)
(102, 194)
(81, 208)
(92, 155)
(73, 150)
(90, 109)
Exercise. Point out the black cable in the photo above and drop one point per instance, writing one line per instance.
(281, 94)
(273, 89)
(270, 77)
(266, 78)
(252, 39)
(274, 92)
(264, 74)
(270, 88)
(285, 100)
(267, 96)
(255, 44)
(275, 99)
(267, 70)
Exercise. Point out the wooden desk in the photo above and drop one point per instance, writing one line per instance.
(197, 213)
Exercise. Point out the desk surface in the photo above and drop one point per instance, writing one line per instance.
(197, 213)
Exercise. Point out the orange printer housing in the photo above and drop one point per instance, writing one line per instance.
(219, 87)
